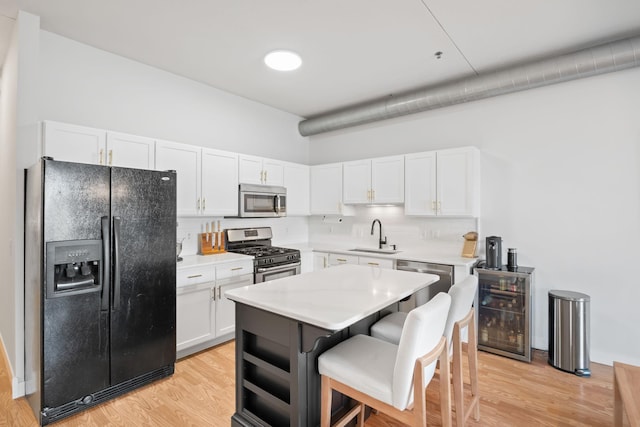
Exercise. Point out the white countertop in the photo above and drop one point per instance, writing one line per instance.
(333, 298)
(421, 255)
(198, 260)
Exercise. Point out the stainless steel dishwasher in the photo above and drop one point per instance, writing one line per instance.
(445, 272)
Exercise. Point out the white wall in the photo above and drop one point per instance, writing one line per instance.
(18, 146)
(86, 86)
(8, 104)
(560, 182)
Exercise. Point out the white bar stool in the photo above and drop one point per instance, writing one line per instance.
(460, 327)
(387, 377)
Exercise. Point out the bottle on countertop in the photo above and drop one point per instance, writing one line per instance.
(512, 259)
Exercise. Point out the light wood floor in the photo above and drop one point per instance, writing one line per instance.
(202, 393)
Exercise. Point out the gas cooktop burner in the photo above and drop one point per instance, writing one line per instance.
(256, 242)
(262, 251)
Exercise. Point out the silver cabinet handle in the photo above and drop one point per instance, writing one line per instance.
(198, 204)
(194, 276)
(237, 268)
(100, 156)
(110, 157)
(373, 263)
(204, 201)
(212, 291)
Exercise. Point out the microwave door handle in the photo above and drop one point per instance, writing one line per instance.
(276, 204)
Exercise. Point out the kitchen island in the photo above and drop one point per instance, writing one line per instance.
(283, 326)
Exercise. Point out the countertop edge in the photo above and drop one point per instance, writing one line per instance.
(409, 255)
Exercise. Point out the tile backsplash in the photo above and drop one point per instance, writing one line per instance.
(292, 229)
(441, 234)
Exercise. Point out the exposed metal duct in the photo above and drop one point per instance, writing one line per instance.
(601, 59)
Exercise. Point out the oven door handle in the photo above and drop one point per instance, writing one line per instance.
(277, 268)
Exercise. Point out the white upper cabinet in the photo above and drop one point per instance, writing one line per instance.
(443, 183)
(207, 179)
(82, 144)
(258, 170)
(72, 143)
(129, 151)
(356, 184)
(219, 183)
(296, 180)
(374, 181)
(185, 160)
(326, 190)
(458, 181)
(420, 183)
(387, 180)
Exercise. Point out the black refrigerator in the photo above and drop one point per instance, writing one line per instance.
(100, 288)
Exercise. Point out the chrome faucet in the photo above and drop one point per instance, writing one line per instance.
(381, 241)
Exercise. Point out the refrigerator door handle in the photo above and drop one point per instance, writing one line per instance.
(115, 303)
(106, 263)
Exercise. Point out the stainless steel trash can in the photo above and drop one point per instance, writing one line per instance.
(569, 332)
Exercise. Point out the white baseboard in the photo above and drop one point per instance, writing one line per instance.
(17, 388)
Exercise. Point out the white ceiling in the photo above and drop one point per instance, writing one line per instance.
(353, 50)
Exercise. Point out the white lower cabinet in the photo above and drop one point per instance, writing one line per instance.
(320, 261)
(334, 259)
(376, 262)
(339, 259)
(225, 308)
(204, 315)
(195, 316)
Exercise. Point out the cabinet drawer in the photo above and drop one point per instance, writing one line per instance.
(339, 259)
(233, 269)
(376, 262)
(195, 275)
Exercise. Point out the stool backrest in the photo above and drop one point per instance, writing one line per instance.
(462, 296)
(421, 332)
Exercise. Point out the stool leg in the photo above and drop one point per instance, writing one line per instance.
(325, 402)
(472, 354)
(458, 383)
(361, 415)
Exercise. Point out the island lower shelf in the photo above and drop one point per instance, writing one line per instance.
(277, 380)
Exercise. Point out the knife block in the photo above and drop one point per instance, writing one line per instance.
(211, 243)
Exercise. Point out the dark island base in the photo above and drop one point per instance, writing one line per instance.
(277, 380)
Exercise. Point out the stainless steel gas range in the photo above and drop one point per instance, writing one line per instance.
(269, 262)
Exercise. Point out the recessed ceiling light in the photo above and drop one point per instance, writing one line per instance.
(283, 60)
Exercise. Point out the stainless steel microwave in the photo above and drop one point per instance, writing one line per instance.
(262, 201)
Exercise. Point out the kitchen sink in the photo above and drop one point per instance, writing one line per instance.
(375, 251)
